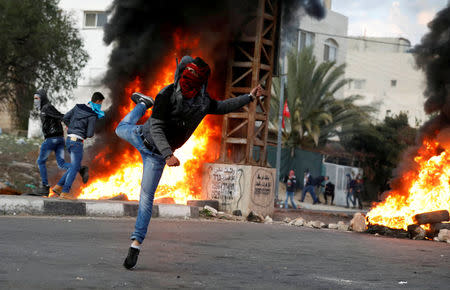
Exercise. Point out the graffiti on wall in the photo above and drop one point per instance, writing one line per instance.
(225, 184)
(262, 185)
(240, 187)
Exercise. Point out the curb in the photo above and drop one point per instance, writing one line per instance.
(31, 205)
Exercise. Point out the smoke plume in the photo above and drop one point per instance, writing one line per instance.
(432, 56)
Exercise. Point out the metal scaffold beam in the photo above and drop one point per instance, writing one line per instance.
(251, 63)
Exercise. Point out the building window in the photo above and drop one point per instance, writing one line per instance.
(393, 83)
(330, 50)
(94, 19)
(359, 84)
(305, 39)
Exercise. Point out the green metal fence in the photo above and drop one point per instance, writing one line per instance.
(299, 162)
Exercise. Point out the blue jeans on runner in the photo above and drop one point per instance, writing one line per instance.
(290, 195)
(75, 149)
(153, 168)
(310, 189)
(55, 144)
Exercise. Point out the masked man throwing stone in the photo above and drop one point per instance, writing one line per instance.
(178, 110)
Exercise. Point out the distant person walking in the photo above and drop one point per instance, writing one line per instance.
(291, 185)
(306, 176)
(350, 196)
(81, 124)
(358, 189)
(310, 184)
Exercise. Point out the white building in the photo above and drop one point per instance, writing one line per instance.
(90, 17)
(322, 35)
(383, 70)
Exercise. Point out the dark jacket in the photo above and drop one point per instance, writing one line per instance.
(359, 185)
(81, 121)
(175, 118)
(317, 181)
(329, 188)
(353, 184)
(348, 182)
(50, 117)
(291, 184)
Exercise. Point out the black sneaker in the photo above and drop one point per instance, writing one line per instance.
(43, 190)
(141, 98)
(131, 259)
(84, 172)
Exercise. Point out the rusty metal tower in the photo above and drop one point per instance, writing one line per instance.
(251, 63)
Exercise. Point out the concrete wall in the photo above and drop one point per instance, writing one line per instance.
(375, 66)
(379, 44)
(333, 25)
(240, 187)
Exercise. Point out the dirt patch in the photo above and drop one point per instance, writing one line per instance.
(18, 157)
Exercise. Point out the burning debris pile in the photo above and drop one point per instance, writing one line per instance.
(422, 185)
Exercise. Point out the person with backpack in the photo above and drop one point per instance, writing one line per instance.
(53, 133)
(291, 185)
(80, 123)
(178, 110)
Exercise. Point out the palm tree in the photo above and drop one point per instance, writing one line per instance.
(316, 114)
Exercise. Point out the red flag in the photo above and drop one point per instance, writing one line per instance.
(286, 113)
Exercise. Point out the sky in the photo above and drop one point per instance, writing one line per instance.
(380, 18)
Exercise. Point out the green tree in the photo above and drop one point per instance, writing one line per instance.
(39, 47)
(382, 147)
(316, 114)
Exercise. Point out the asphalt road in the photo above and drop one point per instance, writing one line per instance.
(88, 253)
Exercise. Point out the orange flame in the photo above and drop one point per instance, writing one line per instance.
(428, 189)
(180, 183)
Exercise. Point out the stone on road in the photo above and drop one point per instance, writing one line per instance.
(52, 252)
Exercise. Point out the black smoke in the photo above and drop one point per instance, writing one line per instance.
(432, 56)
(292, 10)
(141, 33)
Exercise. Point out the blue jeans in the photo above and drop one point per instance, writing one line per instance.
(75, 149)
(310, 189)
(350, 197)
(290, 195)
(55, 144)
(153, 168)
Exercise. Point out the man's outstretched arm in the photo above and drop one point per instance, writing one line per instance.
(232, 104)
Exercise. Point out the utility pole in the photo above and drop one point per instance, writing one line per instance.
(280, 111)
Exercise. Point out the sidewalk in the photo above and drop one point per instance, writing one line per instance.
(32, 205)
(329, 208)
